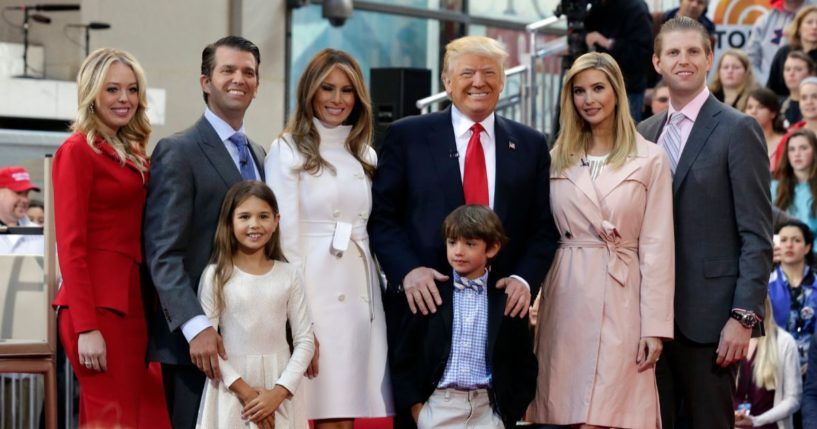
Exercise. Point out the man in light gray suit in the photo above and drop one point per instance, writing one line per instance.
(190, 173)
(723, 233)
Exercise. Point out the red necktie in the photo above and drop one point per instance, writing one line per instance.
(475, 177)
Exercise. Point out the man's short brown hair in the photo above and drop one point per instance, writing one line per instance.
(682, 23)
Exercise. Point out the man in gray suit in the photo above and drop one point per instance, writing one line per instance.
(189, 176)
(723, 234)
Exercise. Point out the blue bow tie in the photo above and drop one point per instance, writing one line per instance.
(463, 283)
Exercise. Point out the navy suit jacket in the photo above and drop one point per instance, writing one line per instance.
(423, 354)
(418, 183)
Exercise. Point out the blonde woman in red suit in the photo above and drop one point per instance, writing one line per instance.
(100, 176)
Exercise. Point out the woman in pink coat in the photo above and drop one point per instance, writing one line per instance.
(607, 302)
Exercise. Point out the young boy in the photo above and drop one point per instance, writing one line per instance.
(466, 366)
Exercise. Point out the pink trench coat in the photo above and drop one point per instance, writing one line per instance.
(611, 283)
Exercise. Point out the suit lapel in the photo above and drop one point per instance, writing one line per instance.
(579, 175)
(610, 179)
(443, 148)
(216, 153)
(447, 308)
(496, 312)
(505, 144)
(654, 129)
(704, 125)
(108, 151)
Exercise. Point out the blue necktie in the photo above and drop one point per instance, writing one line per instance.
(244, 158)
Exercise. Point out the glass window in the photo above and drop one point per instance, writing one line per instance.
(373, 39)
(524, 11)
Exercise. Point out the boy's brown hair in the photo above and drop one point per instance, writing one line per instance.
(474, 221)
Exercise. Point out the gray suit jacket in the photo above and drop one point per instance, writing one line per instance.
(190, 173)
(723, 219)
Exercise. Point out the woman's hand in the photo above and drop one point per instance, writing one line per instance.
(649, 349)
(262, 408)
(91, 350)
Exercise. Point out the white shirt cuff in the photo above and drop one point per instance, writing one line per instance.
(524, 282)
(194, 326)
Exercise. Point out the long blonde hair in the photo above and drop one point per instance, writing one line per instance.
(749, 82)
(764, 369)
(304, 134)
(575, 132)
(225, 244)
(129, 142)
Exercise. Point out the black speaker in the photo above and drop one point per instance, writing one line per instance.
(394, 94)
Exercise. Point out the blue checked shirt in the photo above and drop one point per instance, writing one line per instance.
(466, 368)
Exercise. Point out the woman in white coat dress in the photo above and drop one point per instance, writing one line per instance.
(320, 170)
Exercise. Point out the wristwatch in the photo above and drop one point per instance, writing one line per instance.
(748, 319)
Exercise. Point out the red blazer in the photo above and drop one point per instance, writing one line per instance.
(98, 206)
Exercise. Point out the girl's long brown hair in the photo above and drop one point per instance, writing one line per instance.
(225, 244)
(785, 173)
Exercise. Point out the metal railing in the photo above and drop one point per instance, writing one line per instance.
(531, 93)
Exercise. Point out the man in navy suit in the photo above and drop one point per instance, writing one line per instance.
(431, 164)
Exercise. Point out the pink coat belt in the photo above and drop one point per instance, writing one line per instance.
(620, 254)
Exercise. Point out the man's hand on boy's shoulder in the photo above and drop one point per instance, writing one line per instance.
(421, 290)
(518, 300)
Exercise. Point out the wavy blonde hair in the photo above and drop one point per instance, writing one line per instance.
(764, 369)
(304, 134)
(129, 142)
(749, 81)
(575, 134)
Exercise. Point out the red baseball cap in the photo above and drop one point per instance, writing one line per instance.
(16, 179)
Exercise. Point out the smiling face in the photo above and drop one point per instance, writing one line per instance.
(683, 64)
(469, 256)
(254, 222)
(474, 83)
(793, 247)
(335, 98)
(118, 99)
(13, 205)
(594, 98)
(732, 72)
(232, 86)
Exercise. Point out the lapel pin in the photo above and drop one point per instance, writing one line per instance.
(511, 145)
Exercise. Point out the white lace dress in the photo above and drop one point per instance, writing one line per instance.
(253, 326)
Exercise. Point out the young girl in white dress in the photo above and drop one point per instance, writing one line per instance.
(249, 293)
